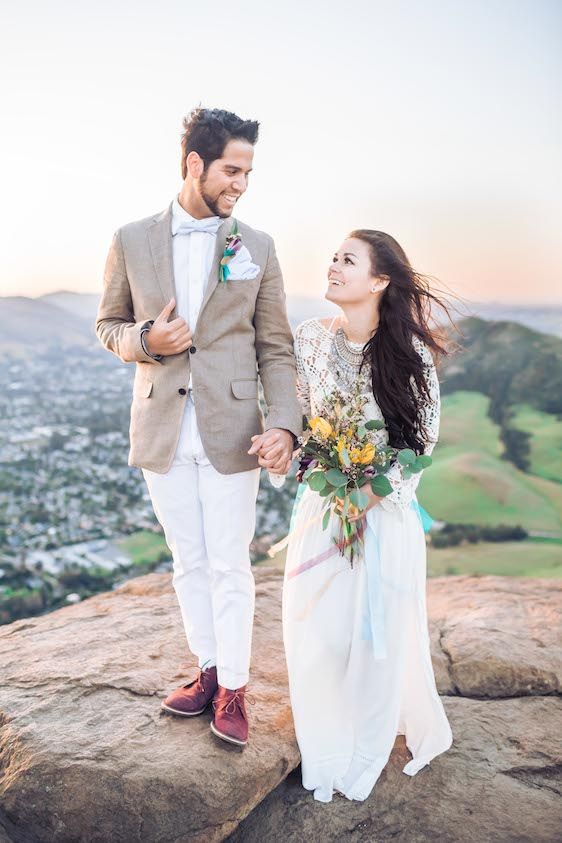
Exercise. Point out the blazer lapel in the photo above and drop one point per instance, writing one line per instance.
(213, 278)
(160, 239)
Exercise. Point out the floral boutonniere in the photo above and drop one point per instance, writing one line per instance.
(232, 246)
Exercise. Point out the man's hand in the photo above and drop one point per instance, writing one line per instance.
(274, 449)
(168, 337)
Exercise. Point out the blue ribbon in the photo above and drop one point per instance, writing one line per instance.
(373, 616)
(372, 624)
(298, 496)
(425, 518)
(373, 620)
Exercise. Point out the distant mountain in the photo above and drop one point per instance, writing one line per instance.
(27, 325)
(509, 363)
(84, 305)
(67, 318)
(300, 308)
(544, 318)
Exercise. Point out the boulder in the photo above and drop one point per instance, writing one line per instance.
(496, 637)
(85, 752)
(87, 755)
(500, 781)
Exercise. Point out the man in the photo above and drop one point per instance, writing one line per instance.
(196, 300)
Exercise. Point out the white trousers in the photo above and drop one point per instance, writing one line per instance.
(209, 521)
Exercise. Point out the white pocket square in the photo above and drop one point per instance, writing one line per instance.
(241, 267)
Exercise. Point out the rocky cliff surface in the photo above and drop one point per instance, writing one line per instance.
(86, 755)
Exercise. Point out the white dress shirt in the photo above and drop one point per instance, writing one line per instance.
(192, 257)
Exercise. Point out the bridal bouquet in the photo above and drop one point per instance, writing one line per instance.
(340, 455)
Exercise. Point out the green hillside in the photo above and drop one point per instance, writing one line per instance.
(514, 559)
(469, 482)
(143, 546)
(545, 443)
(520, 371)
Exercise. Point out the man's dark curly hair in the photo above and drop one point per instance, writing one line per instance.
(208, 130)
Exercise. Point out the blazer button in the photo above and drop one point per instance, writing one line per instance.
(182, 391)
(192, 349)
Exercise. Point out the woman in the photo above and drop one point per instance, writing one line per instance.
(356, 638)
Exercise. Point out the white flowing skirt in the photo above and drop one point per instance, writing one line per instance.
(357, 649)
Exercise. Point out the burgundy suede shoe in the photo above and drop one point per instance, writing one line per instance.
(230, 721)
(193, 698)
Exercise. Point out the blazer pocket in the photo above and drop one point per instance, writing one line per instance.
(245, 278)
(245, 388)
(142, 388)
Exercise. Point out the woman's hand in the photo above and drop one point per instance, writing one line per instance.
(373, 501)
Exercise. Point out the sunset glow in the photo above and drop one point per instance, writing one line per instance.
(436, 122)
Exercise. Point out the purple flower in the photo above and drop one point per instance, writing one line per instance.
(304, 464)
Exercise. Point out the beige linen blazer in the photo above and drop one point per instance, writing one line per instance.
(242, 332)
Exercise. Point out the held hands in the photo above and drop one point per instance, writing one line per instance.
(168, 337)
(274, 449)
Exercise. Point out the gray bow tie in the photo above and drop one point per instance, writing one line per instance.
(209, 225)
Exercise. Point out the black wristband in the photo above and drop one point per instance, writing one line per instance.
(144, 331)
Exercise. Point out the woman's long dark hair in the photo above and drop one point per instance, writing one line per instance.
(398, 373)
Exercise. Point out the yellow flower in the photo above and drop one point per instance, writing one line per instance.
(367, 454)
(339, 504)
(320, 427)
(340, 446)
(355, 455)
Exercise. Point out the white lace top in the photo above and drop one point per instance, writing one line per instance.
(320, 370)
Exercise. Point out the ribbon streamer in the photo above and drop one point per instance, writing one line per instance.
(373, 613)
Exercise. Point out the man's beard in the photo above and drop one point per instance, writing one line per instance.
(212, 204)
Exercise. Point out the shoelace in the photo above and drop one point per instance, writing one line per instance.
(235, 699)
(200, 681)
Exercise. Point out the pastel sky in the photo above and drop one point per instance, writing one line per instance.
(438, 122)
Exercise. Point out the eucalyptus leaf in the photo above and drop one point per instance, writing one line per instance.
(327, 490)
(406, 456)
(336, 477)
(381, 486)
(374, 424)
(359, 498)
(326, 519)
(317, 481)
(407, 473)
(424, 460)
(345, 457)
